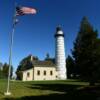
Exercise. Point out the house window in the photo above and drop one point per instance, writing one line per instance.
(28, 74)
(56, 76)
(51, 72)
(44, 72)
(38, 72)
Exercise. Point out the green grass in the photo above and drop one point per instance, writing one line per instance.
(22, 90)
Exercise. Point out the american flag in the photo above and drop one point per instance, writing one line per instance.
(25, 10)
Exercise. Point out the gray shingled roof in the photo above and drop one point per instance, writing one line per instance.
(43, 64)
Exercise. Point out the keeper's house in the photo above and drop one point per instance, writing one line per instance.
(40, 70)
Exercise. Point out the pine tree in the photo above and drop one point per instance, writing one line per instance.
(5, 70)
(85, 51)
(70, 67)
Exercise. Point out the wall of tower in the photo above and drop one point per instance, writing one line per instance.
(60, 57)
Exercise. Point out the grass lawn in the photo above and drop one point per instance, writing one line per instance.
(47, 89)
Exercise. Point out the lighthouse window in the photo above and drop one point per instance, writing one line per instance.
(44, 72)
(51, 73)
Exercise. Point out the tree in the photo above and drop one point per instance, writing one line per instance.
(1, 66)
(1, 72)
(70, 67)
(5, 70)
(86, 52)
(47, 56)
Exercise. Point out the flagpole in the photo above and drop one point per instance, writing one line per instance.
(10, 53)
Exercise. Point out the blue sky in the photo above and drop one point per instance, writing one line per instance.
(34, 34)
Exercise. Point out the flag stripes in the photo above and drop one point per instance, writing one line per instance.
(25, 11)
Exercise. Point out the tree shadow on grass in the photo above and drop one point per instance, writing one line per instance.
(54, 87)
(71, 92)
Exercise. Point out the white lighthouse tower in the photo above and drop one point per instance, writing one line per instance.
(60, 54)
